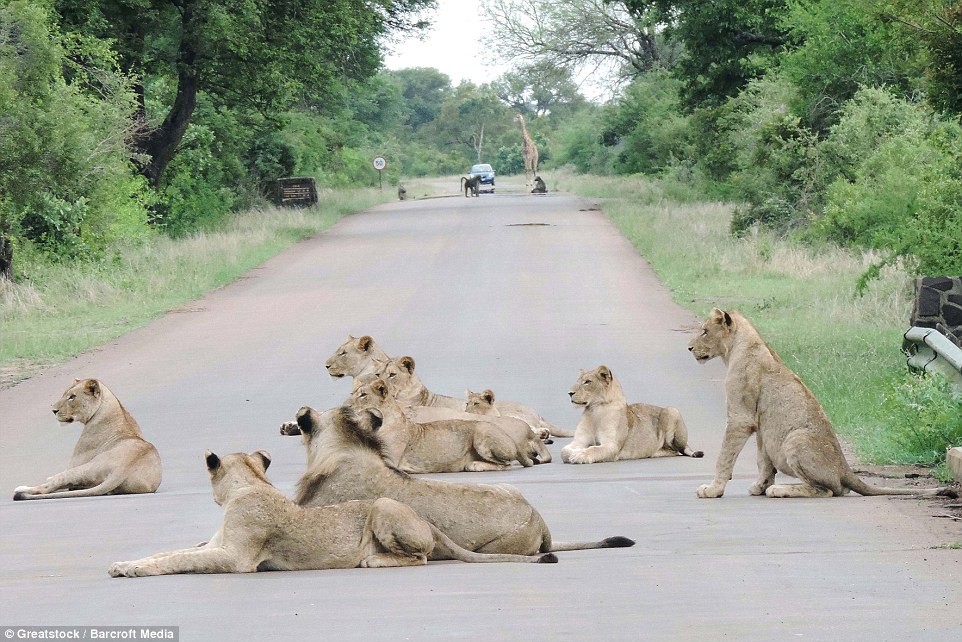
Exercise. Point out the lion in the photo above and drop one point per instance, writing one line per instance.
(346, 462)
(611, 430)
(793, 434)
(354, 357)
(111, 456)
(263, 530)
(445, 446)
(408, 388)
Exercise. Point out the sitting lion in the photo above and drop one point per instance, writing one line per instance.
(345, 462)
(111, 456)
(793, 434)
(407, 387)
(446, 446)
(611, 430)
(263, 530)
(354, 357)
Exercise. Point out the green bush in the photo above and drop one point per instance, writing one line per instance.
(925, 414)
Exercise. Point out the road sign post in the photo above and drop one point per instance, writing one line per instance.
(379, 164)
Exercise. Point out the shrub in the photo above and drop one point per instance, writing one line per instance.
(925, 414)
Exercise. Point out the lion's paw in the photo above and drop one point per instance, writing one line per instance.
(758, 489)
(709, 491)
(577, 457)
(290, 428)
(119, 569)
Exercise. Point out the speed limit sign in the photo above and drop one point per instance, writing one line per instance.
(379, 163)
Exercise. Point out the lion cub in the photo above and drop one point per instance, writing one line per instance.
(445, 446)
(793, 434)
(111, 456)
(612, 430)
(264, 530)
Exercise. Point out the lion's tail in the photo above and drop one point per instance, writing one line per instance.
(851, 481)
(103, 488)
(557, 432)
(610, 542)
(449, 548)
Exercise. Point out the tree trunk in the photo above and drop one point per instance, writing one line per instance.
(6, 258)
(160, 144)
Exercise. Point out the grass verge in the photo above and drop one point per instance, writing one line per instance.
(63, 309)
(802, 299)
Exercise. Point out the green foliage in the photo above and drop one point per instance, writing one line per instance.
(65, 171)
(925, 417)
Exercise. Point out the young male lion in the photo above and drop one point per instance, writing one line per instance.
(111, 456)
(792, 432)
(612, 430)
(264, 530)
(345, 462)
(446, 446)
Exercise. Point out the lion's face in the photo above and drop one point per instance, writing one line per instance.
(369, 392)
(398, 374)
(79, 402)
(715, 338)
(480, 403)
(349, 359)
(592, 386)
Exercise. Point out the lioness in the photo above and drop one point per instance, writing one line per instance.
(612, 430)
(354, 357)
(345, 462)
(263, 530)
(111, 456)
(447, 446)
(408, 388)
(793, 434)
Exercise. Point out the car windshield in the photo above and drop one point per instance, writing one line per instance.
(482, 168)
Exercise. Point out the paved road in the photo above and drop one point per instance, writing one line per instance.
(512, 292)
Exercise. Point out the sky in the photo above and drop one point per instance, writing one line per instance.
(453, 45)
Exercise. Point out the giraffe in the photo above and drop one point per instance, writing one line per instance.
(530, 152)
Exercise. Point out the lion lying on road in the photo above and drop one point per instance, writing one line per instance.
(408, 388)
(345, 462)
(354, 357)
(447, 446)
(611, 430)
(793, 434)
(111, 456)
(264, 530)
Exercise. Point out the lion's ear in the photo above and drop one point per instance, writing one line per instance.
(364, 343)
(380, 388)
(728, 320)
(213, 461)
(717, 316)
(377, 420)
(407, 363)
(304, 420)
(264, 457)
(92, 387)
(488, 396)
(604, 373)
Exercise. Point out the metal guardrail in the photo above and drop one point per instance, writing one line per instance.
(931, 351)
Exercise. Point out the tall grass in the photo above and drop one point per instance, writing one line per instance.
(845, 346)
(61, 309)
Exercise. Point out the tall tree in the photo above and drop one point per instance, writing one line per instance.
(539, 88)
(250, 54)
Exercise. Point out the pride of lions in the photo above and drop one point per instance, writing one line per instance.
(358, 504)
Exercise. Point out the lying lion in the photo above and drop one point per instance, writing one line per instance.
(447, 446)
(111, 456)
(408, 389)
(793, 434)
(263, 530)
(612, 430)
(345, 462)
(354, 357)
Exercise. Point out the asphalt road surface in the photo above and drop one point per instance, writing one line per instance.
(508, 291)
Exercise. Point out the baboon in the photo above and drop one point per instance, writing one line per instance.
(539, 186)
(402, 193)
(473, 184)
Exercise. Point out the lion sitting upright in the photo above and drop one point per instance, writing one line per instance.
(767, 399)
(263, 530)
(111, 456)
(612, 430)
